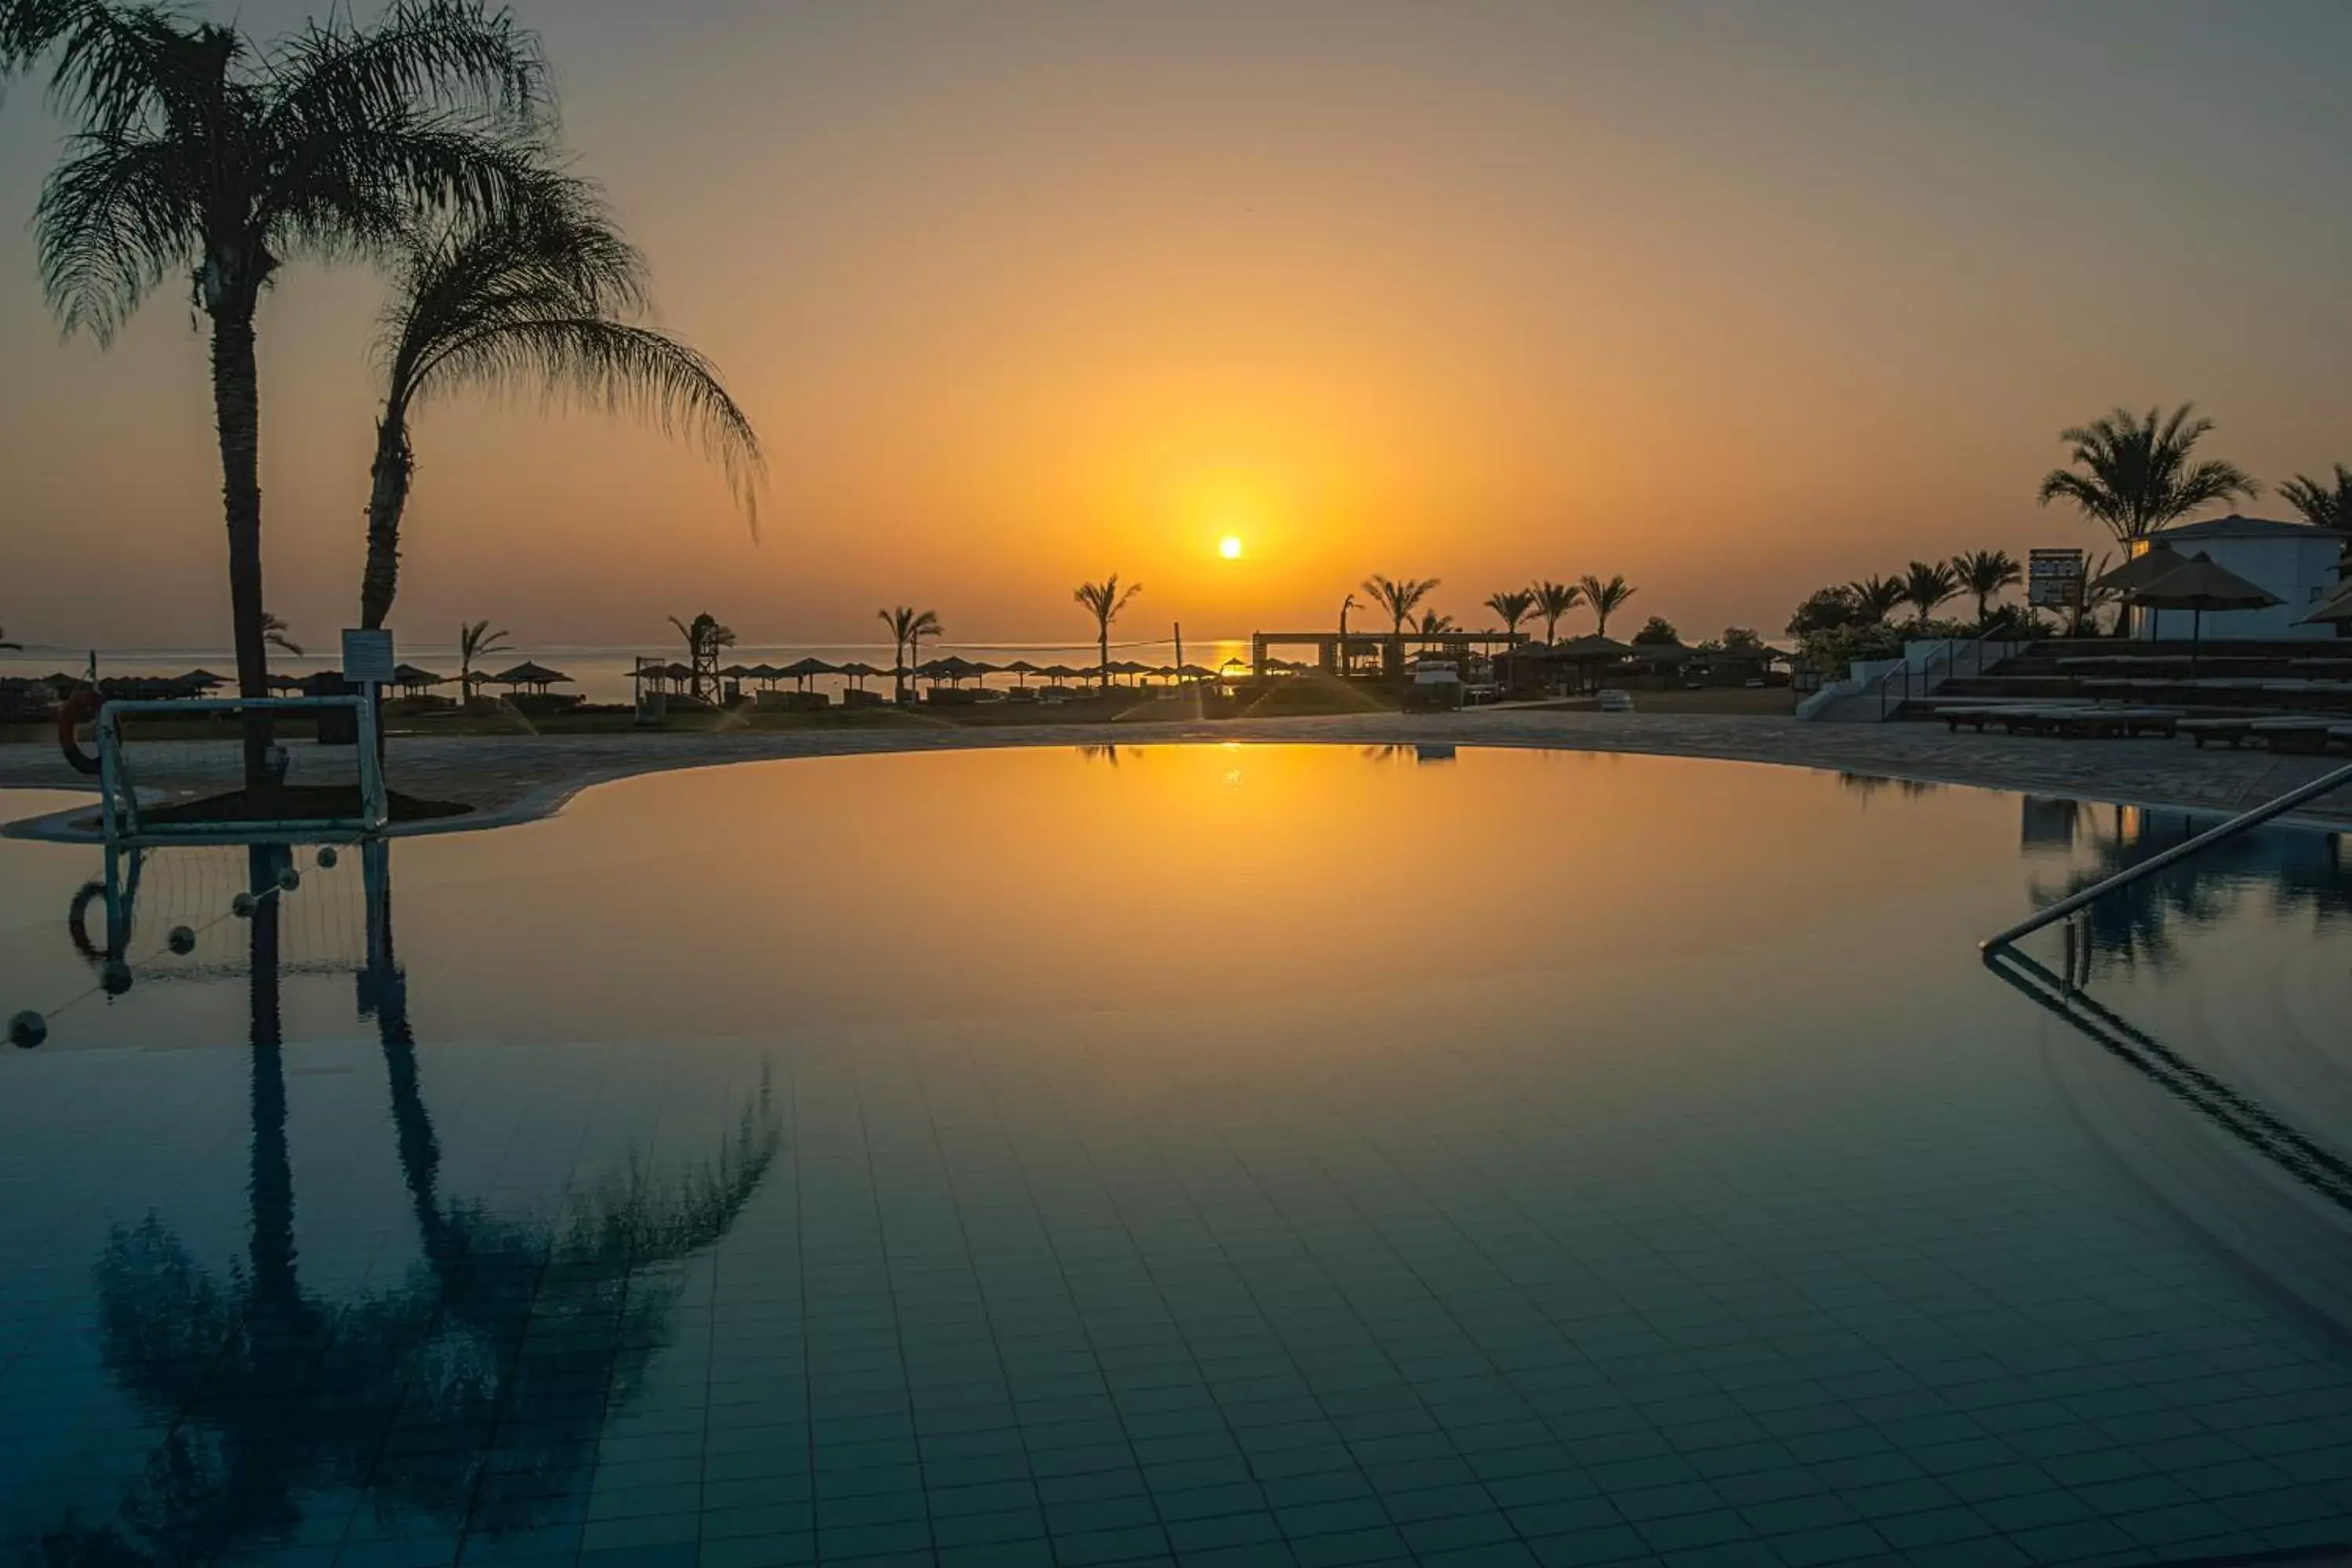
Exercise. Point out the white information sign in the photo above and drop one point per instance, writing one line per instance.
(367, 658)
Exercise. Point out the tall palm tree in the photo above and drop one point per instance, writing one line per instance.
(1400, 597)
(476, 642)
(705, 635)
(1605, 599)
(1435, 624)
(2137, 473)
(1554, 600)
(1875, 597)
(202, 154)
(536, 294)
(1984, 574)
(908, 627)
(1928, 583)
(1104, 601)
(1514, 607)
(2321, 506)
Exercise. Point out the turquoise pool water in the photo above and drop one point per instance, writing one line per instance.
(1238, 1154)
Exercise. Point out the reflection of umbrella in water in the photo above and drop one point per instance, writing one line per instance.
(2199, 586)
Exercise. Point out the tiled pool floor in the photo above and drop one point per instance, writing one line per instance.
(1807, 1242)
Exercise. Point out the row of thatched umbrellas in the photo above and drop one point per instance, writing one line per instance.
(953, 670)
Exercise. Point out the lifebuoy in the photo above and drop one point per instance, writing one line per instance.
(77, 920)
(72, 713)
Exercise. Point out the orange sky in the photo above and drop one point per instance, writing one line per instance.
(1731, 299)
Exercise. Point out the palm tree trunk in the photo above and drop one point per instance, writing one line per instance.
(236, 413)
(387, 500)
(1102, 642)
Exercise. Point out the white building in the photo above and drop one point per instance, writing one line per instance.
(2293, 560)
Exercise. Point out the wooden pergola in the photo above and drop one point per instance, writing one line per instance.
(1336, 654)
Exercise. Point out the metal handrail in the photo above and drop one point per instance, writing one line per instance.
(2237, 825)
(1951, 656)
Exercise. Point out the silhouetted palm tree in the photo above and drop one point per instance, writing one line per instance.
(705, 635)
(1104, 601)
(1928, 583)
(202, 155)
(2137, 473)
(908, 627)
(533, 295)
(1554, 600)
(1400, 597)
(476, 642)
(1875, 597)
(1435, 624)
(277, 634)
(2321, 506)
(1606, 598)
(1514, 607)
(1984, 574)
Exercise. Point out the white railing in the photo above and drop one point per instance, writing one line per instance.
(118, 792)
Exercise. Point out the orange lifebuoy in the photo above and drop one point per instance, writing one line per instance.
(81, 706)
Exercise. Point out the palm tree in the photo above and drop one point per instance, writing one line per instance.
(1400, 597)
(1875, 597)
(1984, 574)
(2138, 475)
(536, 294)
(1104, 601)
(1514, 607)
(1606, 597)
(202, 155)
(1554, 600)
(1928, 583)
(1434, 625)
(476, 642)
(705, 635)
(908, 627)
(278, 634)
(2320, 506)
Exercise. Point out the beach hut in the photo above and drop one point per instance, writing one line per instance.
(2200, 587)
(538, 677)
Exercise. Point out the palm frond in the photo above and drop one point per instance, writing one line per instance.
(112, 223)
(456, 55)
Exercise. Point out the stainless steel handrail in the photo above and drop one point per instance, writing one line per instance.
(2172, 857)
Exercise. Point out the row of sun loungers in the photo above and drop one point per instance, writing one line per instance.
(2280, 732)
(2062, 718)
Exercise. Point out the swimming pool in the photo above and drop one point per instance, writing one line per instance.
(1257, 1154)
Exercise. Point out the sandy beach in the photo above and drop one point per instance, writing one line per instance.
(515, 777)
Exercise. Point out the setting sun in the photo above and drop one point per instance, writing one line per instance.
(1230, 547)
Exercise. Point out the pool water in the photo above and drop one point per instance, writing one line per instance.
(1268, 1154)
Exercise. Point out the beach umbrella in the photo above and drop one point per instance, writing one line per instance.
(981, 671)
(738, 672)
(202, 680)
(1022, 670)
(2199, 585)
(2335, 608)
(857, 672)
(2141, 571)
(1194, 672)
(801, 669)
(538, 677)
(1060, 672)
(410, 678)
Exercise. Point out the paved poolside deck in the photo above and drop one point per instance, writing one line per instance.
(503, 772)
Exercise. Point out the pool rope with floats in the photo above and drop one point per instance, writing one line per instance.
(30, 1028)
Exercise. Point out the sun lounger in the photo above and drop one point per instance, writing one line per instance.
(2293, 734)
(2229, 732)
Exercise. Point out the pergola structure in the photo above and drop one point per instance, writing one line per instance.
(1336, 654)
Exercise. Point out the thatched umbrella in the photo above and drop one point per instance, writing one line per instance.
(1022, 670)
(410, 678)
(203, 680)
(801, 669)
(859, 673)
(538, 677)
(2199, 586)
(979, 670)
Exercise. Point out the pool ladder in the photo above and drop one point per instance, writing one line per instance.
(2244, 822)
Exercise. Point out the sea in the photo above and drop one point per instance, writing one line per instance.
(600, 673)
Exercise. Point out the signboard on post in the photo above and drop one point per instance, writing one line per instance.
(367, 658)
(2054, 579)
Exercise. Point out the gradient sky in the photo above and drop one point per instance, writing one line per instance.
(1732, 299)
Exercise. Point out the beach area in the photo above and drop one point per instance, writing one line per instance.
(518, 777)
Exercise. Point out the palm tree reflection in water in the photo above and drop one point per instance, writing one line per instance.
(470, 1397)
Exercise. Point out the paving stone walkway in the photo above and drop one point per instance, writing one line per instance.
(496, 772)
